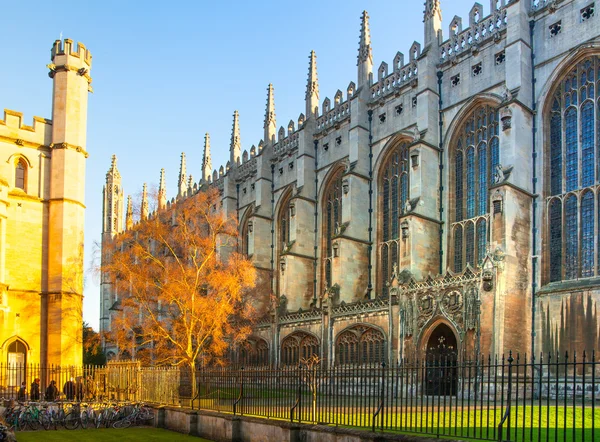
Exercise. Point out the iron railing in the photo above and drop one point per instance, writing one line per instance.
(514, 398)
(550, 398)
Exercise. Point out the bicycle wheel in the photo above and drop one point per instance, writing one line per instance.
(99, 419)
(46, 421)
(122, 423)
(32, 422)
(71, 420)
(86, 418)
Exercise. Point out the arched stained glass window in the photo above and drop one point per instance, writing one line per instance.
(332, 207)
(297, 346)
(394, 185)
(360, 344)
(283, 229)
(476, 155)
(245, 230)
(572, 154)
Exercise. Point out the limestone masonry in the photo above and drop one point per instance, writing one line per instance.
(42, 186)
(448, 201)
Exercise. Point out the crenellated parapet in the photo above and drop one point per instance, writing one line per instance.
(481, 30)
(66, 47)
(13, 129)
(402, 75)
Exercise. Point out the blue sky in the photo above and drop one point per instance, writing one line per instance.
(164, 73)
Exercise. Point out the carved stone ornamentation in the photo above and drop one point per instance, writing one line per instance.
(427, 308)
(472, 309)
(506, 118)
(451, 305)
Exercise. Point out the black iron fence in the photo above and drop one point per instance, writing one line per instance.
(550, 398)
(513, 398)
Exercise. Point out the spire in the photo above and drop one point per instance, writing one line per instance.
(182, 177)
(270, 122)
(432, 18)
(235, 148)
(190, 185)
(144, 211)
(312, 88)
(129, 215)
(112, 205)
(206, 160)
(162, 191)
(365, 56)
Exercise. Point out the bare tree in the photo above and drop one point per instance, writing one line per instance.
(313, 375)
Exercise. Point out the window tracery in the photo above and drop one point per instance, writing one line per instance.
(573, 210)
(476, 156)
(360, 344)
(394, 187)
(332, 220)
(297, 346)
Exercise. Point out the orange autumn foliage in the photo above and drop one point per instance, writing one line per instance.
(181, 302)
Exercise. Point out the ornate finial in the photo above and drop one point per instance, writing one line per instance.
(365, 56)
(182, 177)
(364, 48)
(432, 7)
(129, 214)
(270, 121)
(206, 159)
(113, 172)
(162, 191)
(190, 183)
(312, 87)
(144, 211)
(235, 147)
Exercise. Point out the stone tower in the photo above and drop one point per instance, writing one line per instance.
(70, 72)
(112, 225)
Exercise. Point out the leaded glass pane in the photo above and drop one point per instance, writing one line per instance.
(470, 182)
(555, 222)
(587, 235)
(470, 243)
(458, 249)
(482, 196)
(395, 201)
(20, 175)
(386, 210)
(459, 186)
(587, 144)
(571, 168)
(571, 264)
(555, 154)
(385, 268)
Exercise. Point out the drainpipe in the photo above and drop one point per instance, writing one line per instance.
(370, 247)
(273, 229)
(534, 230)
(237, 211)
(316, 229)
(440, 74)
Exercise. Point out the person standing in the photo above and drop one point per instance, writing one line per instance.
(22, 395)
(51, 391)
(34, 393)
(69, 389)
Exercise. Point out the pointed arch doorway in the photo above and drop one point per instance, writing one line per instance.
(441, 355)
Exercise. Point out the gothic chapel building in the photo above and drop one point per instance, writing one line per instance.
(450, 198)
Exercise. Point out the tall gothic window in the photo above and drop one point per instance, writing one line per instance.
(332, 221)
(360, 344)
(21, 174)
(476, 156)
(394, 190)
(298, 346)
(254, 352)
(573, 203)
(283, 228)
(245, 231)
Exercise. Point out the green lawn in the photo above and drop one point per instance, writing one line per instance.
(106, 435)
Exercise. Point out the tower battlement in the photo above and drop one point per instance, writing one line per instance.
(67, 47)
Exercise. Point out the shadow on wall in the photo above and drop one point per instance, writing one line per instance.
(575, 330)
